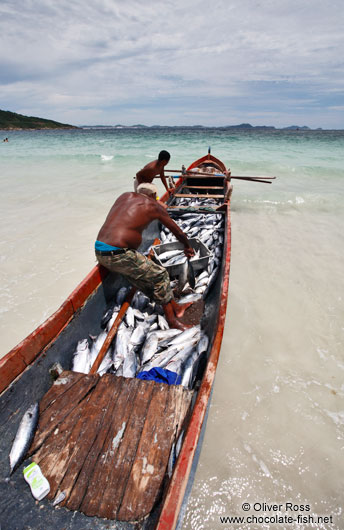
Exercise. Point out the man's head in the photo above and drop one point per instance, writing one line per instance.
(164, 156)
(148, 189)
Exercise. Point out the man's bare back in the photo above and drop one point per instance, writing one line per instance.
(130, 215)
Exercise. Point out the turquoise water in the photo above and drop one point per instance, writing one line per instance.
(275, 430)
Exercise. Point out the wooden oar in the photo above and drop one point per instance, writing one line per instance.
(200, 174)
(110, 336)
(252, 179)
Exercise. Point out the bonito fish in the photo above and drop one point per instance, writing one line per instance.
(81, 357)
(24, 436)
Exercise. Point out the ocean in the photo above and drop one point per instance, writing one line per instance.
(273, 446)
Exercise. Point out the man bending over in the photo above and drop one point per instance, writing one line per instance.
(121, 235)
(153, 169)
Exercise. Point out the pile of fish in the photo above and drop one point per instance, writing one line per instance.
(209, 229)
(196, 203)
(143, 341)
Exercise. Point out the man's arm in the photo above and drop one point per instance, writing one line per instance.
(166, 220)
(163, 180)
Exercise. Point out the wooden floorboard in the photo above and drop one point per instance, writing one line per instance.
(107, 450)
(123, 461)
(83, 481)
(64, 395)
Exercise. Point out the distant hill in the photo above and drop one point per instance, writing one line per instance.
(297, 128)
(13, 121)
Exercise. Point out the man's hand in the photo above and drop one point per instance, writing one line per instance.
(189, 252)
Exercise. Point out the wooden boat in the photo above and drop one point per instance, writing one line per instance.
(144, 494)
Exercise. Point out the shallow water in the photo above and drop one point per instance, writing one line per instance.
(275, 428)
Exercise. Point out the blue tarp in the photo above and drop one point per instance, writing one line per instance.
(160, 376)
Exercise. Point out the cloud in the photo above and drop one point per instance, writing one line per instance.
(70, 60)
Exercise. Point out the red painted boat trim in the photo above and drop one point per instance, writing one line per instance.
(175, 494)
(208, 158)
(15, 362)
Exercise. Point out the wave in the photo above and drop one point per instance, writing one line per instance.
(106, 158)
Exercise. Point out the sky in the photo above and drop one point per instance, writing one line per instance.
(178, 62)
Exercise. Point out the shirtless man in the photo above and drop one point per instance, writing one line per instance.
(153, 169)
(121, 235)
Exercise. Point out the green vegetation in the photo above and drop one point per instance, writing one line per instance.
(13, 121)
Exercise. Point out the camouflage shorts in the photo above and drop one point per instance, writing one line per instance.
(150, 278)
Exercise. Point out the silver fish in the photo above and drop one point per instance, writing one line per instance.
(139, 334)
(149, 348)
(188, 369)
(202, 281)
(160, 359)
(121, 294)
(212, 279)
(130, 364)
(176, 260)
(191, 274)
(183, 276)
(202, 346)
(162, 323)
(112, 320)
(193, 297)
(105, 364)
(130, 317)
(24, 436)
(97, 345)
(176, 352)
(186, 335)
(203, 274)
(122, 344)
(81, 357)
(138, 314)
(140, 301)
(178, 360)
(169, 254)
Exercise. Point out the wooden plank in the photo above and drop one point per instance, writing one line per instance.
(200, 195)
(120, 390)
(65, 401)
(81, 437)
(48, 454)
(145, 467)
(64, 382)
(93, 422)
(115, 461)
(148, 470)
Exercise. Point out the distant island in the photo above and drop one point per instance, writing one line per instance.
(242, 126)
(11, 121)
